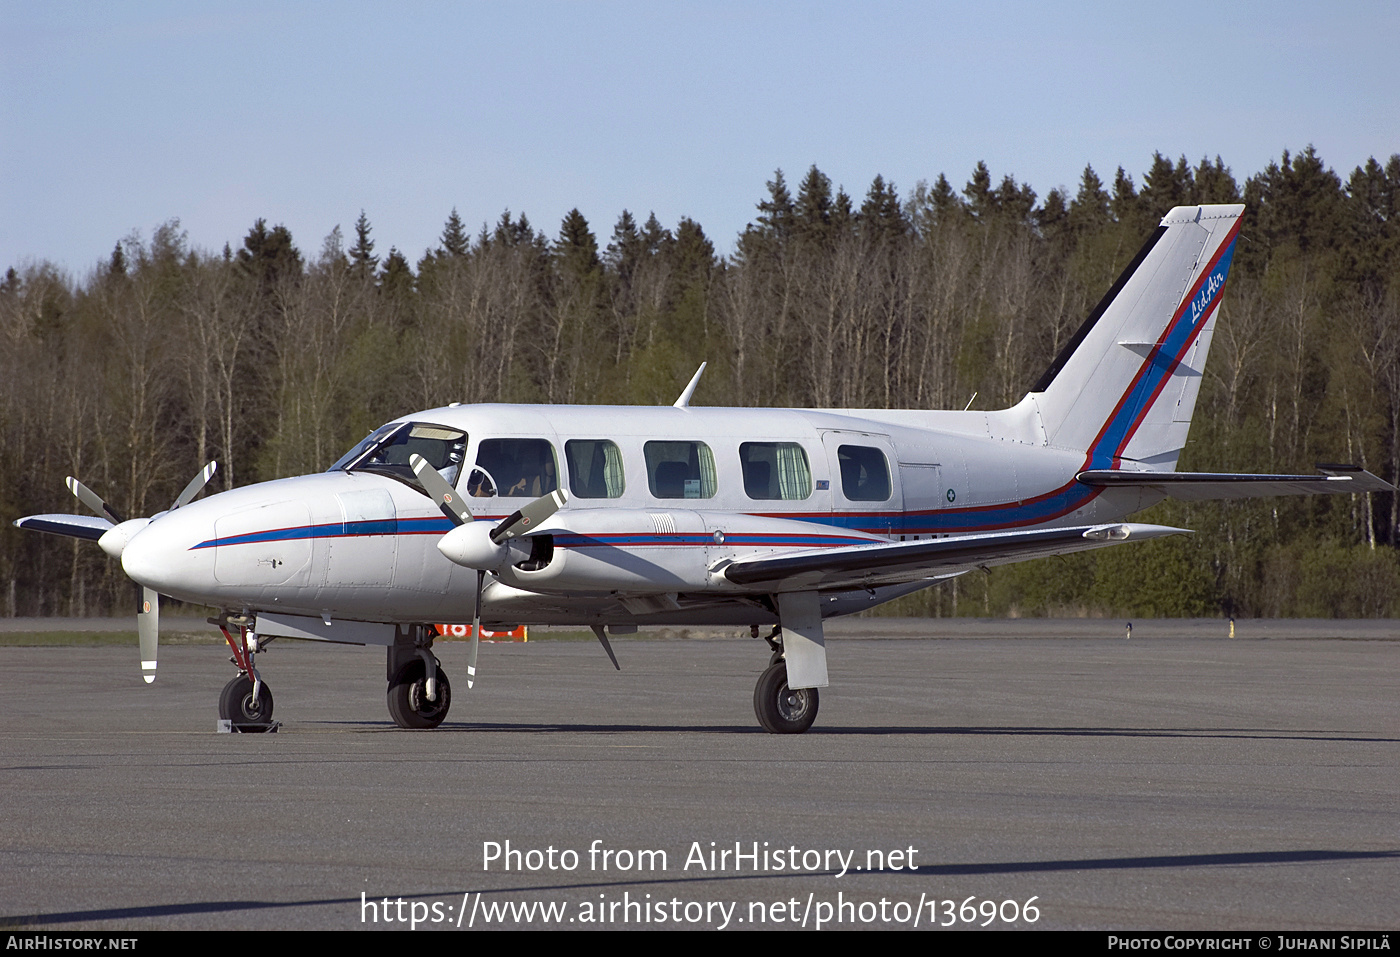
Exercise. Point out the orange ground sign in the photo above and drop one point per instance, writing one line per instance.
(453, 632)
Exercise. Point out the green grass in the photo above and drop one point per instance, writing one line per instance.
(95, 639)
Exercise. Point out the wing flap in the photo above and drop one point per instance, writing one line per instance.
(888, 562)
(1205, 486)
(88, 527)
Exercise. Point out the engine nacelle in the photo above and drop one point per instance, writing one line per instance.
(658, 551)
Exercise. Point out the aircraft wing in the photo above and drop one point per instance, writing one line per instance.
(1204, 486)
(89, 527)
(890, 562)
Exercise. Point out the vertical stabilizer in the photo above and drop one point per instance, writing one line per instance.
(1125, 386)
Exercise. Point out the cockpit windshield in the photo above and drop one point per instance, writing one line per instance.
(386, 450)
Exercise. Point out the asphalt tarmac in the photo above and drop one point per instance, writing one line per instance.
(1179, 780)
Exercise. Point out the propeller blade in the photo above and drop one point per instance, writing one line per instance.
(524, 521)
(476, 630)
(445, 495)
(196, 483)
(93, 501)
(148, 628)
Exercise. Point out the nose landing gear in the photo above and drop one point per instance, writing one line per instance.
(238, 704)
(246, 701)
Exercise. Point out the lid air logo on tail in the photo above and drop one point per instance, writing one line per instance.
(1206, 295)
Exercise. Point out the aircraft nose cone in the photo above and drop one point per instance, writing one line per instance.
(157, 556)
(144, 560)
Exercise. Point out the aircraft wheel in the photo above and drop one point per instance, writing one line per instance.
(780, 709)
(236, 702)
(408, 698)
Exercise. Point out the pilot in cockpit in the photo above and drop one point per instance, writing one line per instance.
(479, 486)
(513, 468)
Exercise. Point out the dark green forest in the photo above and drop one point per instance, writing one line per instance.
(273, 357)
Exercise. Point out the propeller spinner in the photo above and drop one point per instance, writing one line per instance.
(114, 542)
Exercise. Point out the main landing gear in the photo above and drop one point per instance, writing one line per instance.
(419, 692)
(246, 701)
(780, 709)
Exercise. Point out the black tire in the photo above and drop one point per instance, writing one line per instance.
(781, 710)
(237, 705)
(408, 698)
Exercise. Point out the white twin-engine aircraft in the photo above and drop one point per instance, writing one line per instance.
(619, 517)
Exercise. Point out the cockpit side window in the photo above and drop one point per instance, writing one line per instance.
(595, 468)
(522, 468)
(387, 451)
(364, 445)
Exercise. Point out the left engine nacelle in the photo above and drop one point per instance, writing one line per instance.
(656, 551)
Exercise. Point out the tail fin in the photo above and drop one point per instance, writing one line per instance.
(1125, 386)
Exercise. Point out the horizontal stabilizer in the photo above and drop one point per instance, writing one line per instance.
(1205, 486)
(888, 562)
(89, 527)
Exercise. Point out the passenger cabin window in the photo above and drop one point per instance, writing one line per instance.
(775, 470)
(513, 468)
(595, 468)
(865, 474)
(680, 469)
(387, 451)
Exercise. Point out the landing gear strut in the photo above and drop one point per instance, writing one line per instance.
(780, 709)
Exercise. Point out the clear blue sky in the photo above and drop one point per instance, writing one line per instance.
(115, 117)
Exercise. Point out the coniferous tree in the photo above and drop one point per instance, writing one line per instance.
(981, 200)
(1089, 211)
(396, 276)
(777, 211)
(1015, 203)
(1053, 216)
(1126, 205)
(843, 215)
(654, 235)
(454, 236)
(625, 249)
(363, 262)
(1166, 186)
(269, 256)
(577, 247)
(1214, 183)
(811, 213)
(881, 216)
(1298, 202)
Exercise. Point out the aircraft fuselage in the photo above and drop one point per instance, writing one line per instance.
(360, 544)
